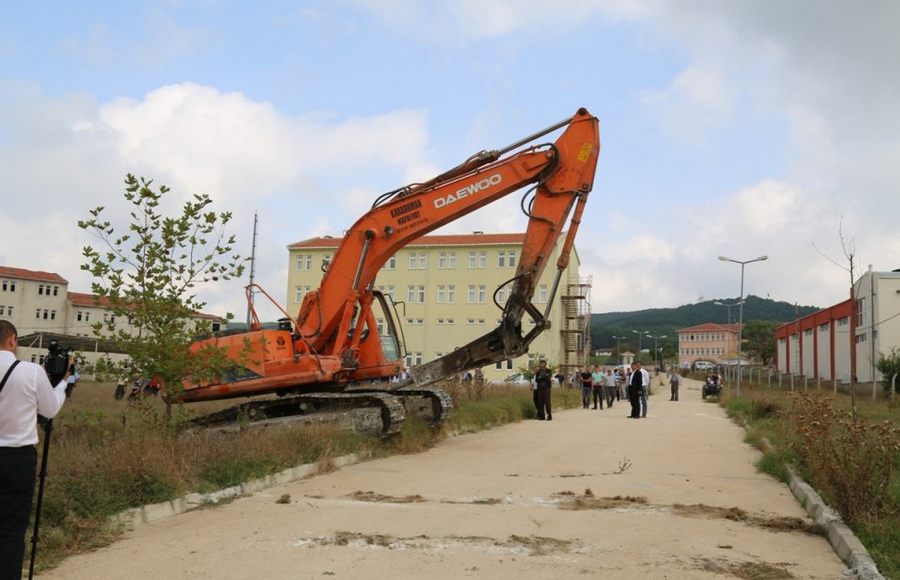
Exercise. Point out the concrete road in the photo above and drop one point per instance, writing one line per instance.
(590, 494)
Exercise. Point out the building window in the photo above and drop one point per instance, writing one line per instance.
(304, 262)
(415, 294)
(8, 286)
(413, 359)
(861, 311)
(391, 263)
(417, 261)
(299, 291)
(823, 327)
(446, 294)
(482, 293)
(478, 260)
(40, 289)
(807, 332)
(543, 293)
(860, 338)
(53, 315)
(470, 297)
(501, 296)
(843, 321)
(447, 260)
(387, 290)
(415, 321)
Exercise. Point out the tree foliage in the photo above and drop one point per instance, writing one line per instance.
(759, 339)
(149, 274)
(889, 365)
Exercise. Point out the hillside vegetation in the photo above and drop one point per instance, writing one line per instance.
(665, 321)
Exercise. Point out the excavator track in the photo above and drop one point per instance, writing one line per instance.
(312, 405)
(441, 402)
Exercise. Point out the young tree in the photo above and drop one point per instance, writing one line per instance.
(759, 336)
(149, 274)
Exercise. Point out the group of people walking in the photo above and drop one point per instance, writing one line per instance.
(599, 386)
(633, 384)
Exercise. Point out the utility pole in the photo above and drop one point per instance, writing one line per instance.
(252, 269)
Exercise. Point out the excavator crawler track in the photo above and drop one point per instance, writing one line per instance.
(441, 402)
(308, 406)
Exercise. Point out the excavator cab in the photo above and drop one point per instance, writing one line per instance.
(389, 332)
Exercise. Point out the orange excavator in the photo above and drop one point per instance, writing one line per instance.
(332, 353)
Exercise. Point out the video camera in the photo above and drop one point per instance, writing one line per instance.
(56, 363)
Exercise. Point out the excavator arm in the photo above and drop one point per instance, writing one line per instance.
(563, 175)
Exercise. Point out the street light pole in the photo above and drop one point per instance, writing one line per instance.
(655, 349)
(640, 335)
(619, 340)
(737, 389)
(728, 306)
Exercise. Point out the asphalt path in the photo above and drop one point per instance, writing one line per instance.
(590, 494)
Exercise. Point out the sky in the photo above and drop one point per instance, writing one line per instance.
(728, 128)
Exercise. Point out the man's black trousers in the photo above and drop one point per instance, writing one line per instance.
(17, 470)
(543, 403)
(634, 397)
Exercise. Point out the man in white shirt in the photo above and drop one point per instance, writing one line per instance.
(26, 392)
(645, 381)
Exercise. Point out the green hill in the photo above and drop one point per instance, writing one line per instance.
(665, 321)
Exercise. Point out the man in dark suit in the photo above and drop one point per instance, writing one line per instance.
(543, 378)
(635, 388)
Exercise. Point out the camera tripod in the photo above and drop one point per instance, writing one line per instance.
(47, 425)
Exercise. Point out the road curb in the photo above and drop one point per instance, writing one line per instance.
(151, 513)
(842, 539)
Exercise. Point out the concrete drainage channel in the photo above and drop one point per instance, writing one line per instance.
(842, 539)
(138, 516)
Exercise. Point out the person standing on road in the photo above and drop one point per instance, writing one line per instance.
(543, 379)
(597, 382)
(612, 389)
(586, 380)
(635, 386)
(560, 378)
(25, 392)
(645, 392)
(674, 382)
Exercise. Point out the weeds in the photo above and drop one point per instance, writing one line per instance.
(851, 461)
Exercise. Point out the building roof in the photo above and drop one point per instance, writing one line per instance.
(36, 275)
(710, 327)
(474, 239)
(82, 299)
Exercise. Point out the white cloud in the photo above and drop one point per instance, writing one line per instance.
(70, 153)
(698, 100)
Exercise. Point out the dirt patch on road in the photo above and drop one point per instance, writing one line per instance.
(775, 523)
(746, 570)
(588, 501)
(373, 497)
(528, 545)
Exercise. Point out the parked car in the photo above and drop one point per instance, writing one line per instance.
(516, 379)
(702, 365)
